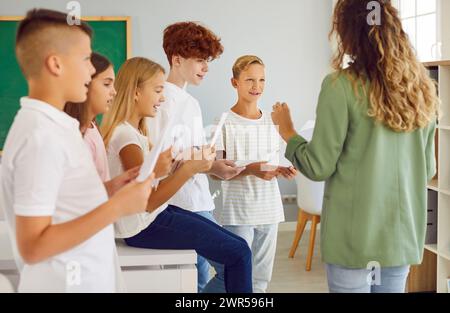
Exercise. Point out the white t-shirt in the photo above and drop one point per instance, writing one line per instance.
(47, 170)
(194, 195)
(125, 135)
(250, 200)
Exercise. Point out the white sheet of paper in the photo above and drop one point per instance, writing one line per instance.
(243, 163)
(218, 129)
(150, 160)
(277, 158)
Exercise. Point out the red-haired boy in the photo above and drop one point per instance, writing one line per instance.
(189, 48)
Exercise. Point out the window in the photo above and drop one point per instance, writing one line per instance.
(419, 18)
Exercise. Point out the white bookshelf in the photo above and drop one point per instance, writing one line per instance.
(441, 184)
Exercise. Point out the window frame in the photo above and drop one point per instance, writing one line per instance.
(415, 17)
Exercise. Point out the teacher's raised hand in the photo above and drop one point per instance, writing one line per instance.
(281, 117)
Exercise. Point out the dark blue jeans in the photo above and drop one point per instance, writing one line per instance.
(175, 228)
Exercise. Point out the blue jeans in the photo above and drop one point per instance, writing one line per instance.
(217, 283)
(175, 228)
(384, 280)
(263, 242)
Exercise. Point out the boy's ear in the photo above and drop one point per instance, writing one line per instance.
(176, 60)
(234, 82)
(54, 65)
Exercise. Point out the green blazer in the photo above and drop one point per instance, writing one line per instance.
(375, 199)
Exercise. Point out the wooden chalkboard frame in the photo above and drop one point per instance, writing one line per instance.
(126, 19)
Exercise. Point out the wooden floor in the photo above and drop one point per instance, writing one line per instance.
(289, 275)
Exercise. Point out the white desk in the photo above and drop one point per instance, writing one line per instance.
(148, 270)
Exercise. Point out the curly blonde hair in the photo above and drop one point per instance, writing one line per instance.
(402, 95)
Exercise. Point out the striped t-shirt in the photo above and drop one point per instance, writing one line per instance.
(250, 200)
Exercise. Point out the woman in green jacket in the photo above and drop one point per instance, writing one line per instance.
(373, 144)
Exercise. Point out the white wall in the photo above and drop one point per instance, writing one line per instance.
(291, 36)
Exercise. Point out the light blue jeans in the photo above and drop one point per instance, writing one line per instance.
(382, 280)
(262, 240)
(204, 283)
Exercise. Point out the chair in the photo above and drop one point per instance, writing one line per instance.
(309, 201)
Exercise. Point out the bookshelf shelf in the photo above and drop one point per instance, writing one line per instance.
(445, 255)
(433, 185)
(443, 273)
(432, 248)
(437, 63)
(445, 192)
(440, 70)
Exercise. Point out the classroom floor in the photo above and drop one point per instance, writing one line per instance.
(289, 275)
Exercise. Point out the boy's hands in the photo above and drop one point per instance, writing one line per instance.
(118, 182)
(133, 198)
(225, 169)
(268, 172)
(262, 170)
(164, 163)
(287, 172)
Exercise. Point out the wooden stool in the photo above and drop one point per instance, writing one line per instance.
(303, 218)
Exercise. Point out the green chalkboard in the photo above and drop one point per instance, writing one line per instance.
(111, 38)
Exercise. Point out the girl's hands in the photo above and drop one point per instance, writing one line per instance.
(200, 160)
(225, 169)
(164, 163)
(123, 179)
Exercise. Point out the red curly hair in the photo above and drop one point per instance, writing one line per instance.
(191, 40)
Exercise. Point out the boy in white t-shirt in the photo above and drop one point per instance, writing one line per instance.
(56, 205)
(189, 48)
(252, 206)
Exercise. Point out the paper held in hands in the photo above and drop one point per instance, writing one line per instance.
(277, 158)
(274, 158)
(218, 130)
(151, 159)
(243, 163)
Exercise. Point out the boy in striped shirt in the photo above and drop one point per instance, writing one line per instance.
(252, 206)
